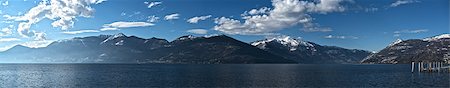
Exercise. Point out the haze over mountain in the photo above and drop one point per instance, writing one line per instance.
(120, 48)
(404, 51)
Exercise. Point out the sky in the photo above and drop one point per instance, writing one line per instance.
(355, 24)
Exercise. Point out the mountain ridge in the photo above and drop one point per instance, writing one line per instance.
(120, 48)
(310, 53)
(435, 48)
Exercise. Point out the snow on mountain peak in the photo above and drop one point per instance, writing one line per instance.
(443, 36)
(114, 37)
(119, 43)
(186, 37)
(292, 43)
(396, 42)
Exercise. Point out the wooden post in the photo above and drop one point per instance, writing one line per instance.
(429, 66)
(423, 66)
(439, 66)
(412, 67)
(420, 67)
(432, 66)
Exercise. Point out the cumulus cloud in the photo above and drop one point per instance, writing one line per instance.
(284, 14)
(172, 16)
(152, 4)
(340, 37)
(194, 20)
(152, 19)
(402, 2)
(262, 10)
(80, 31)
(62, 12)
(198, 31)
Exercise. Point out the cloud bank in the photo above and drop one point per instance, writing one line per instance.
(284, 14)
(61, 12)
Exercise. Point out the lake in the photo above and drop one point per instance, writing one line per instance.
(229, 75)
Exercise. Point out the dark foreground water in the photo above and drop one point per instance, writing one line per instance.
(254, 75)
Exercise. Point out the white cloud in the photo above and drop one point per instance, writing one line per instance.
(411, 31)
(109, 29)
(62, 12)
(172, 16)
(80, 31)
(152, 4)
(8, 39)
(340, 37)
(121, 24)
(284, 14)
(194, 20)
(198, 31)
(402, 2)
(99, 1)
(263, 10)
(152, 19)
(7, 30)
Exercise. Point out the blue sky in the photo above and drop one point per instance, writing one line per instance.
(357, 24)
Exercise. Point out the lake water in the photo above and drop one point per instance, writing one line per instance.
(233, 75)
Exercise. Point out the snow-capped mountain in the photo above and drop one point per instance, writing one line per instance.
(291, 43)
(396, 42)
(309, 52)
(111, 38)
(443, 36)
(120, 48)
(435, 48)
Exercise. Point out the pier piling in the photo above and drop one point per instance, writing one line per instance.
(412, 67)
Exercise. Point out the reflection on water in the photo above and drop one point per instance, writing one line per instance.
(256, 75)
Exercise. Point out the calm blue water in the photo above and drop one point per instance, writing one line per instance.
(254, 75)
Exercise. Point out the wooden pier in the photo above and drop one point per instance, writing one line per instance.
(430, 67)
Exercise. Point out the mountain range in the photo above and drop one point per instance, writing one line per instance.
(218, 49)
(310, 53)
(405, 51)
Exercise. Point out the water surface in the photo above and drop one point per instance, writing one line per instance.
(231, 75)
